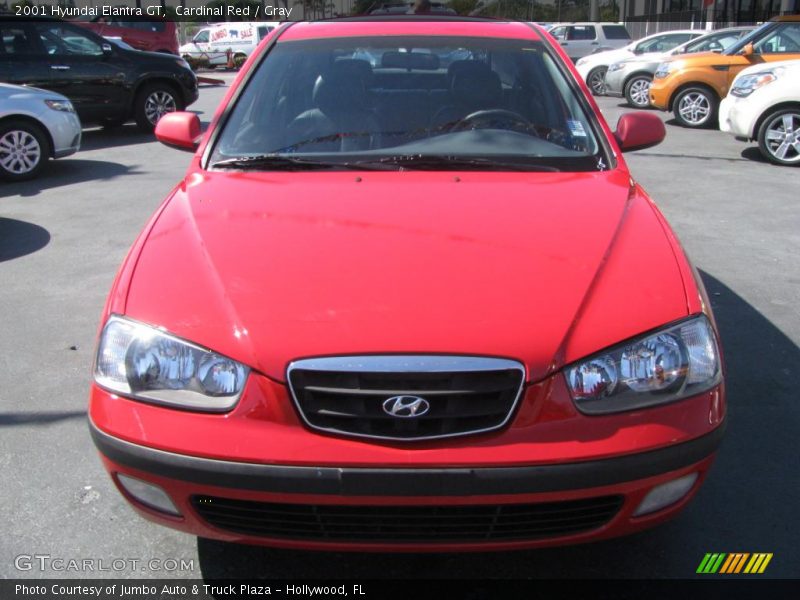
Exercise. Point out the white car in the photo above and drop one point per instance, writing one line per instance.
(764, 104)
(35, 125)
(219, 43)
(593, 67)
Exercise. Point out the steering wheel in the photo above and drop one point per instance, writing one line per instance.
(492, 117)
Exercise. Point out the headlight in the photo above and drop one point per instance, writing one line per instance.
(148, 364)
(744, 86)
(60, 105)
(615, 66)
(665, 68)
(679, 361)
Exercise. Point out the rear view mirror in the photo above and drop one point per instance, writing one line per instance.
(180, 130)
(636, 131)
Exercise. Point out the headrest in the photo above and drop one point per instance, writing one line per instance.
(476, 86)
(341, 88)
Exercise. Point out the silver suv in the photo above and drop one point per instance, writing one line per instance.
(582, 39)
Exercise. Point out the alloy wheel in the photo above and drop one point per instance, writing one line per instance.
(694, 108)
(640, 92)
(157, 104)
(597, 81)
(20, 152)
(782, 137)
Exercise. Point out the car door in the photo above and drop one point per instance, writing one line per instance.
(85, 68)
(22, 57)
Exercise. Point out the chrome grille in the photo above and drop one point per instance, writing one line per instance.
(463, 395)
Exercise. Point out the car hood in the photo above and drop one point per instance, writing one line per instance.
(270, 267)
(706, 59)
(606, 57)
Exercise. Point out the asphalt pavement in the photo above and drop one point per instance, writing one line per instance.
(63, 236)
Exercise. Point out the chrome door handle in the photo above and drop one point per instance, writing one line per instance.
(60, 67)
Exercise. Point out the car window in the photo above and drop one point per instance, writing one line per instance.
(15, 40)
(785, 39)
(558, 32)
(581, 32)
(378, 98)
(60, 39)
(663, 43)
(202, 37)
(615, 32)
(263, 31)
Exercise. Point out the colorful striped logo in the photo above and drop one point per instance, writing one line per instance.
(735, 563)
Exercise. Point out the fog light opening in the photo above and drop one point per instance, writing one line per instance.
(148, 494)
(666, 494)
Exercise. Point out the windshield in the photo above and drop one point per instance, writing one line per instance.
(409, 102)
(756, 33)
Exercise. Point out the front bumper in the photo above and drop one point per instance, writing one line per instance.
(738, 116)
(615, 80)
(594, 488)
(660, 92)
(65, 129)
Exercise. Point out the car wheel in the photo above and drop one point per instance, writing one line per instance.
(154, 101)
(597, 81)
(24, 150)
(779, 137)
(637, 91)
(696, 107)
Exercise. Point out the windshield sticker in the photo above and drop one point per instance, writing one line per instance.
(576, 128)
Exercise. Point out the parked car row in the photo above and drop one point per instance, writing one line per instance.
(92, 79)
(745, 79)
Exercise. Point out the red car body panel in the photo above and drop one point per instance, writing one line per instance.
(543, 268)
(406, 256)
(165, 40)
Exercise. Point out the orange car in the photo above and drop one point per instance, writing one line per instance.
(692, 87)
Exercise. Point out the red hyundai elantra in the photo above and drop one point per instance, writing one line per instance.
(408, 297)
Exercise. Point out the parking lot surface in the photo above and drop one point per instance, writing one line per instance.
(63, 236)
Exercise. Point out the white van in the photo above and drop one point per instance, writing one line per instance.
(215, 42)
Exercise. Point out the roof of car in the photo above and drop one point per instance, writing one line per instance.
(410, 25)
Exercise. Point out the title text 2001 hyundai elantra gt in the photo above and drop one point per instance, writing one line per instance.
(408, 297)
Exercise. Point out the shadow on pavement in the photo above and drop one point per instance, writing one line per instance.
(18, 238)
(747, 504)
(39, 418)
(68, 171)
(754, 154)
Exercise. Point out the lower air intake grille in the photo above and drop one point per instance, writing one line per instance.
(450, 395)
(408, 524)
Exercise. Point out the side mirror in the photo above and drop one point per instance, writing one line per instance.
(636, 131)
(180, 130)
(748, 50)
(107, 49)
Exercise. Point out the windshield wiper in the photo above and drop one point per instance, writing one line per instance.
(280, 162)
(438, 162)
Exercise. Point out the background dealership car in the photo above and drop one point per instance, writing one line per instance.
(631, 78)
(106, 83)
(35, 125)
(582, 39)
(414, 306)
(219, 42)
(692, 86)
(151, 35)
(764, 105)
(593, 67)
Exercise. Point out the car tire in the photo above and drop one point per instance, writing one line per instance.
(596, 81)
(779, 137)
(696, 107)
(637, 91)
(24, 150)
(153, 101)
